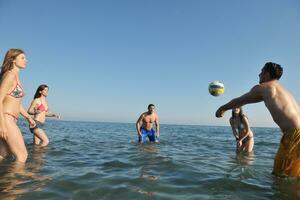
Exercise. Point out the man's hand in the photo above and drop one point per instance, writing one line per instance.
(157, 135)
(220, 112)
(140, 135)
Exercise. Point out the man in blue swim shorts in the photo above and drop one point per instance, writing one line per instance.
(144, 125)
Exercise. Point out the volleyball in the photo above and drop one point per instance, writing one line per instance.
(216, 88)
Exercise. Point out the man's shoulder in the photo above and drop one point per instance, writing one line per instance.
(268, 84)
(264, 86)
(144, 114)
(269, 88)
(258, 88)
(271, 85)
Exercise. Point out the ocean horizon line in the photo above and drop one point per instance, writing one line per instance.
(174, 124)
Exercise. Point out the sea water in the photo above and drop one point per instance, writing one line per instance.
(89, 160)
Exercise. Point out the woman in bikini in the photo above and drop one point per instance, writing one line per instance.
(241, 131)
(11, 93)
(39, 108)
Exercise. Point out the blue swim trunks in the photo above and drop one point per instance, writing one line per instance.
(149, 133)
(38, 125)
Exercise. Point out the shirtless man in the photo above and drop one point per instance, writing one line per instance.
(285, 112)
(144, 125)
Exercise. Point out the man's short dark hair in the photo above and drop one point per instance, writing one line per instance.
(275, 70)
(150, 106)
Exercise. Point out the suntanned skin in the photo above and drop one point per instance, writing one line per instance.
(241, 135)
(281, 104)
(41, 115)
(146, 120)
(12, 141)
(40, 137)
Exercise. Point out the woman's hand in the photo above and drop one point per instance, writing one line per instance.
(239, 143)
(31, 122)
(3, 132)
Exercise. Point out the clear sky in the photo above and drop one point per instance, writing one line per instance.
(106, 60)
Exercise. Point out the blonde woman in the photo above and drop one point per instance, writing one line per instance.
(39, 108)
(11, 93)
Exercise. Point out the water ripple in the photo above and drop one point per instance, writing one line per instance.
(103, 161)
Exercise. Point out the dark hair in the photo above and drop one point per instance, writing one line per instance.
(274, 69)
(38, 91)
(241, 113)
(8, 62)
(150, 105)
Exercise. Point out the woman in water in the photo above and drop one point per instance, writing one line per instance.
(39, 108)
(11, 93)
(241, 131)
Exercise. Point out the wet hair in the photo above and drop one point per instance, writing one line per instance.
(150, 105)
(8, 62)
(275, 70)
(241, 113)
(38, 91)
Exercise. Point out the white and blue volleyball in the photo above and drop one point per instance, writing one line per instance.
(216, 88)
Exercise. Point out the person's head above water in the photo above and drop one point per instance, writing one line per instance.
(13, 58)
(41, 90)
(270, 71)
(237, 112)
(151, 108)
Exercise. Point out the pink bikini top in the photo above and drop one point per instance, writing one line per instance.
(42, 108)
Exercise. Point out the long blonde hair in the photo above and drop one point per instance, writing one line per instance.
(8, 63)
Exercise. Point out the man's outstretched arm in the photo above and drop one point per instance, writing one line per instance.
(255, 95)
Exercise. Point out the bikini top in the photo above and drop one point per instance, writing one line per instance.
(17, 91)
(241, 125)
(42, 108)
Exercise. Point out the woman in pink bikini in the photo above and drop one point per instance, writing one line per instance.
(11, 93)
(39, 108)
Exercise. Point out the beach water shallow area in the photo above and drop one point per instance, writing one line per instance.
(86, 160)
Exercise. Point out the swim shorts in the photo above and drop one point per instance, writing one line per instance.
(287, 160)
(147, 133)
(38, 125)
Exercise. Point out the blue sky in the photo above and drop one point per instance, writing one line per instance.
(107, 60)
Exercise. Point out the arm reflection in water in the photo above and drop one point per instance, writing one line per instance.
(245, 158)
(17, 180)
(149, 148)
(240, 165)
